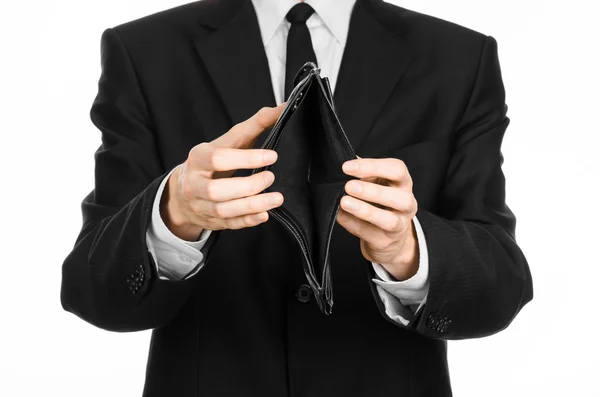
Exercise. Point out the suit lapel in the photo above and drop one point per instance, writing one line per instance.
(375, 58)
(234, 56)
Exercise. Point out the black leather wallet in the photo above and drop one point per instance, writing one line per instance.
(311, 146)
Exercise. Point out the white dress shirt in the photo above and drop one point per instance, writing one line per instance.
(328, 27)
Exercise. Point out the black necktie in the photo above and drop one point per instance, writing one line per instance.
(299, 45)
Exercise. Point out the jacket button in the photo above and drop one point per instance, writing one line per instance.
(304, 293)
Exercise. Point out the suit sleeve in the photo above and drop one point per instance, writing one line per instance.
(479, 278)
(109, 278)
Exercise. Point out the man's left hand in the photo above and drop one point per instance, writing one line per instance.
(379, 209)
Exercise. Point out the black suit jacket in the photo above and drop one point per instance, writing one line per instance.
(410, 86)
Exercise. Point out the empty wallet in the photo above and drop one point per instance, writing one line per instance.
(311, 146)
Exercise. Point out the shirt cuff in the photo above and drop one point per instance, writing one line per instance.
(175, 258)
(403, 299)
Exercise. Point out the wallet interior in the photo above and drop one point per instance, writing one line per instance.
(312, 147)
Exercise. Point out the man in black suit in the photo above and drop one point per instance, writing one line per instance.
(175, 235)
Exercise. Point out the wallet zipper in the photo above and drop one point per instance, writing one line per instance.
(286, 220)
(324, 295)
(325, 304)
(326, 275)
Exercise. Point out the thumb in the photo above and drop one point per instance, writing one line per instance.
(244, 134)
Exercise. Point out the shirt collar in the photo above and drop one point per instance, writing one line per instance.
(334, 13)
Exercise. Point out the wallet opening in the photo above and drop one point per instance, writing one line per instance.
(312, 147)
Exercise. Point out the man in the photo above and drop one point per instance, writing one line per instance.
(176, 235)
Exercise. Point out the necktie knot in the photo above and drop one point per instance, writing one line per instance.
(299, 13)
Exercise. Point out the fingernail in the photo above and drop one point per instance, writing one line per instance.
(274, 200)
(269, 178)
(270, 156)
(350, 166)
(259, 217)
(354, 187)
(350, 204)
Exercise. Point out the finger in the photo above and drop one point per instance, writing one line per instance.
(245, 206)
(244, 221)
(401, 200)
(244, 134)
(383, 219)
(210, 158)
(391, 169)
(363, 230)
(219, 190)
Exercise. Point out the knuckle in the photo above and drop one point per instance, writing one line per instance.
(235, 223)
(409, 180)
(196, 209)
(209, 224)
(247, 221)
(252, 205)
(212, 190)
(400, 169)
(403, 201)
(187, 189)
(411, 202)
(214, 157)
(261, 117)
(193, 152)
(380, 244)
(214, 225)
(366, 210)
(219, 210)
(207, 210)
(198, 149)
(231, 224)
(387, 243)
(254, 157)
(394, 223)
(371, 190)
(265, 203)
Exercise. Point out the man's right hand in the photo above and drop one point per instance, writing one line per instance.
(201, 194)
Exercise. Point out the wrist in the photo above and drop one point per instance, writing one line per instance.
(406, 264)
(171, 213)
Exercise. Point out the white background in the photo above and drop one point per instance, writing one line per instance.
(50, 64)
